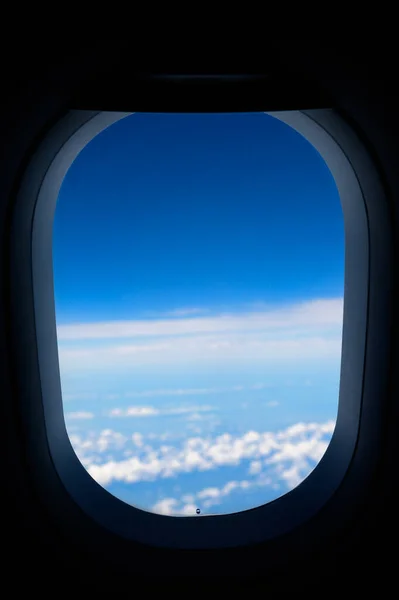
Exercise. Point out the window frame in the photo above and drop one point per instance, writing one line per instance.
(344, 471)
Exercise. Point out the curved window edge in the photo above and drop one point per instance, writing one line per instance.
(347, 463)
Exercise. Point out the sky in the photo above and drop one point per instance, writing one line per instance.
(198, 279)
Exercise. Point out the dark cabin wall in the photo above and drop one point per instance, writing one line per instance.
(37, 87)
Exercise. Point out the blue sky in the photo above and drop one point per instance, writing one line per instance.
(198, 275)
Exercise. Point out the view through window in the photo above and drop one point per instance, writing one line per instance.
(199, 276)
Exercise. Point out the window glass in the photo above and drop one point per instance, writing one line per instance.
(198, 277)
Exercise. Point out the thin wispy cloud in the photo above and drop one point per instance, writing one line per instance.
(245, 349)
(193, 391)
(307, 331)
(151, 411)
(79, 415)
(315, 313)
(166, 392)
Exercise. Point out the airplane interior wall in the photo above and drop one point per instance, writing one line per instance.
(36, 90)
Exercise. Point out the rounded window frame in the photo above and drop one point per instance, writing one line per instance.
(348, 460)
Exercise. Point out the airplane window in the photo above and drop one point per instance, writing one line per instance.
(199, 277)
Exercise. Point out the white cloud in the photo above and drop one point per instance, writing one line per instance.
(92, 446)
(188, 509)
(325, 312)
(309, 330)
(292, 475)
(188, 499)
(255, 467)
(188, 504)
(72, 416)
(212, 496)
(183, 392)
(215, 493)
(312, 448)
(137, 439)
(151, 411)
(165, 506)
(285, 456)
(134, 411)
(169, 506)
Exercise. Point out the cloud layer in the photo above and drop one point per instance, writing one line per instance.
(324, 312)
(308, 330)
(280, 460)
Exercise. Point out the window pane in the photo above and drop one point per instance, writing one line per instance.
(198, 275)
